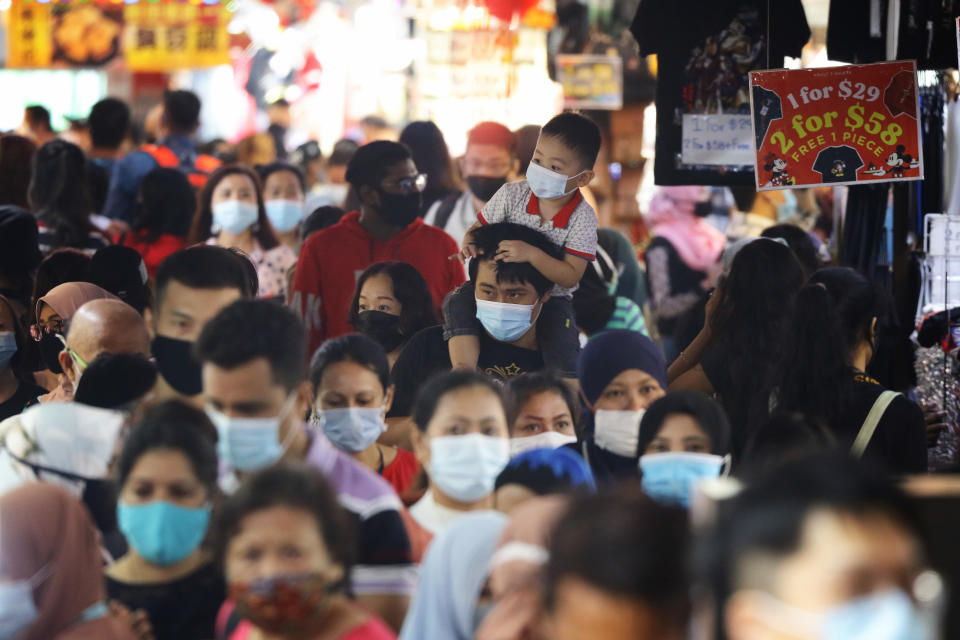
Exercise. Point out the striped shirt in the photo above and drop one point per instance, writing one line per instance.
(627, 315)
(47, 243)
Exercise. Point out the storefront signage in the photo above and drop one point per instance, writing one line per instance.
(154, 36)
(836, 125)
(591, 81)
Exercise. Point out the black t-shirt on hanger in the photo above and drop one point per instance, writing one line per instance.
(705, 51)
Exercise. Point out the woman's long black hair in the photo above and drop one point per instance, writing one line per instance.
(748, 327)
(59, 195)
(835, 312)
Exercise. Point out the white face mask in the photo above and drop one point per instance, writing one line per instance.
(547, 184)
(618, 431)
(17, 609)
(466, 467)
(545, 440)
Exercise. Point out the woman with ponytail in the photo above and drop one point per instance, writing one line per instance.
(60, 200)
(832, 340)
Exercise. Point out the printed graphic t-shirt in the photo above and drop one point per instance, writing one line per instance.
(705, 51)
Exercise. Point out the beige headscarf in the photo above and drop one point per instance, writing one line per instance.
(44, 528)
(66, 298)
(516, 573)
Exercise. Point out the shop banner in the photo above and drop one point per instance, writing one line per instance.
(591, 81)
(836, 125)
(155, 36)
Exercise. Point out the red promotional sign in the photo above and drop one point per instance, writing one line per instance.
(837, 125)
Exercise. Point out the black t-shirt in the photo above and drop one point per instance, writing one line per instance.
(900, 441)
(769, 108)
(25, 395)
(185, 608)
(838, 164)
(705, 51)
(857, 31)
(427, 354)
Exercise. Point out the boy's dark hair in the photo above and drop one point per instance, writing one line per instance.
(579, 133)
(492, 133)
(440, 385)
(265, 171)
(799, 242)
(767, 518)
(353, 347)
(298, 487)
(181, 111)
(249, 329)
(371, 162)
(488, 237)
(204, 267)
(109, 123)
(38, 116)
(626, 544)
(173, 425)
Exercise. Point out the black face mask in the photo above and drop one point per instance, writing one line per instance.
(484, 187)
(50, 347)
(399, 210)
(176, 364)
(382, 327)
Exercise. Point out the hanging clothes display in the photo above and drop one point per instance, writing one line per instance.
(933, 98)
(705, 51)
(927, 32)
(864, 238)
(857, 31)
(951, 160)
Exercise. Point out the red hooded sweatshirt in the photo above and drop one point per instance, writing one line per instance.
(332, 260)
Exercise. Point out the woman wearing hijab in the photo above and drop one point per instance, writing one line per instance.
(53, 311)
(517, 570)
(681, 263)
(621, 374)
(684, 438)
(447, 603)
(51, 570)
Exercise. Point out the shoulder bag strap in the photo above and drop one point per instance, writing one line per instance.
(870, 424)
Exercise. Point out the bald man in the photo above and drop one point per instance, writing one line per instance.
(101, 326)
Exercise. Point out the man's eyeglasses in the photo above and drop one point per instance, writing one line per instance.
(416, 184)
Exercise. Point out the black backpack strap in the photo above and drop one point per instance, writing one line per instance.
(445, 210)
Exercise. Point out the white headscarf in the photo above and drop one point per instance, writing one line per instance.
(453, 573)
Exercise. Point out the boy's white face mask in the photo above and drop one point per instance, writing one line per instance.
(547, 184)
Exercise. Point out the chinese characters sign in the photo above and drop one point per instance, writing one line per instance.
(839, 125)
(155, 36)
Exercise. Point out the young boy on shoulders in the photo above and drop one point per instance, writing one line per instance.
(549, 201)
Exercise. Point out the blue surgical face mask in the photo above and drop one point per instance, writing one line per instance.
(670, 477)
(504, 321)
(352, 429)
(8, 348)
(547, 184)
(234, 216)
(284, 215)
(250, 444)
(466, 467)
(163, 533)
(17, 609)
(885, 615)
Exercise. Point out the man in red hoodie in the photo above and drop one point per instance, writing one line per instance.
(386, 228)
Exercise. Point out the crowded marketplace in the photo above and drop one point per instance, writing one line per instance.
(479, 320)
